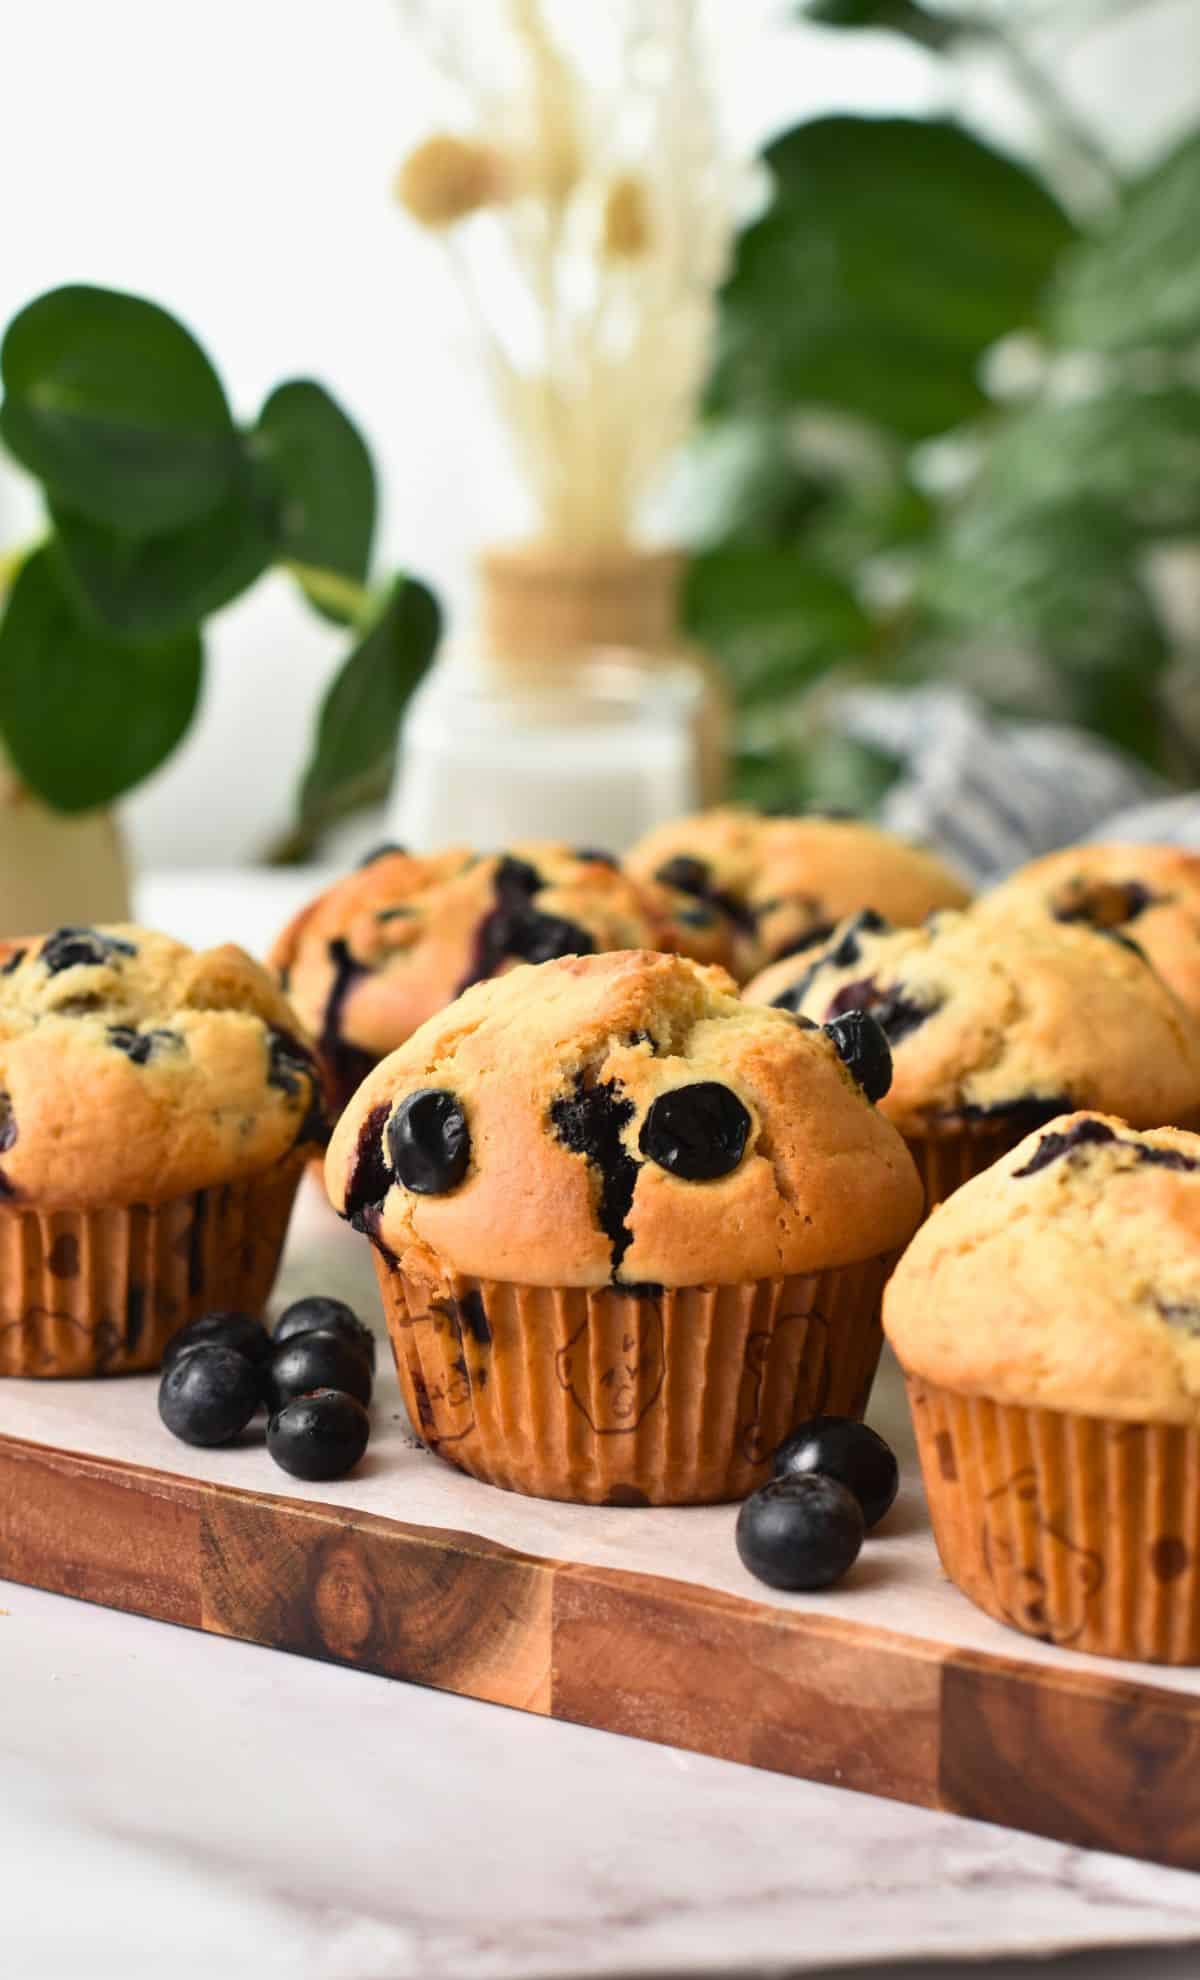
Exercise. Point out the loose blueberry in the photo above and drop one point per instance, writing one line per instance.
(429, 1141)
(319, 1435)
(804, 1531)
(842, 1448)
(208, 1394)
(861, 1044)
(320, 1360)
(318, 1313)
(696, 1132)
(237, 1331)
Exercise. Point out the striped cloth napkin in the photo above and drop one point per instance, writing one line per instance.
(992, 793)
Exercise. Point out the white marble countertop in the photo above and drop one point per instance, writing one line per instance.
(177, 1805)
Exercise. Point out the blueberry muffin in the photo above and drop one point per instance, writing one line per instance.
(157, 1107)
(1150, 894)
(997, 1023)
(776, 885)
(385, 948)
(629, 1231)
(1048, 1322)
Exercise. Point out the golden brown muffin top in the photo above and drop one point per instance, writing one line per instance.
(133, 1069)
(623, 1119)
(1149, 893)
(386, 947)
(1003, 1017)
(781, 882)
(1065, 1277)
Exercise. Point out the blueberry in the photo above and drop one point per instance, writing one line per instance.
(319, 1435)
(320, 1360)
(802, 1531)
(71, 948)
(696, 1132)
(429, 1141)
(861, 1044)
(329, 1316)
(238, 1331)
(840, 1447)
(208, 1394)
(386, 850)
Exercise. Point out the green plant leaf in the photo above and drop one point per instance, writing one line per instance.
(157, 587)
(1063, 581)
(827, 769)
(935, 31)
(360, 715)
(85, 717)
(113, 405)
(1136, 283)
(894, 253)
(773, 618)
(326, 480)
(1136, 451)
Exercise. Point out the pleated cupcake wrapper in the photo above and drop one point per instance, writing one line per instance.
(100, 1292)
(948, 1160)
(1081, 1530)
(672, 1397)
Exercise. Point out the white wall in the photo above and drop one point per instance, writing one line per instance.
(232, 159)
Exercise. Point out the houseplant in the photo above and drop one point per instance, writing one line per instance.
(160, 509)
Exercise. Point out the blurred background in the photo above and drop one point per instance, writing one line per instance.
(952, 431)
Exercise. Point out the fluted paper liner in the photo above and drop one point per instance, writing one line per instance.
(1081, 1530)
(606, 1397)
(100, 1292)
(948, 1160)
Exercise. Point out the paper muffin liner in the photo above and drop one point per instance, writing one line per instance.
(100, 1292)
(1083, 1531)
(950, 1158)
(648, 1397)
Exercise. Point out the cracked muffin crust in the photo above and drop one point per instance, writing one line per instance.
(1151, 894)
(620, 1119)
(628, 1231)
(780, 884)
(1047, 1319)
(391, 944)
(1003, 1020)
(133, 1069)
(1066, 1277)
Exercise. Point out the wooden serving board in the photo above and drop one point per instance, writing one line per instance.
(637, 1621)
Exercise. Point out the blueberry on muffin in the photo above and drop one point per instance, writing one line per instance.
(999, 1022)
(1048, 1322)
(156, 1109)
(629, 1230)
(1150, 895)
(385, 948)
(778, 885)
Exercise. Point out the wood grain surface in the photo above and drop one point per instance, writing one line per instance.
(1095, 1760)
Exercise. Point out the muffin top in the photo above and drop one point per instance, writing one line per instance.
(133, 1069)
(383, 949)
(781, 883)
(1149, 893)
(620, 1119)
(1006, 1019)
(1065, 1277)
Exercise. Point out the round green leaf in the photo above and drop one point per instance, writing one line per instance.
(360, 715)
(774, 619)
(156, 587)
(326, 483)
(1137, 282)
(113, 405)
(85, 717)
(894, 253)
